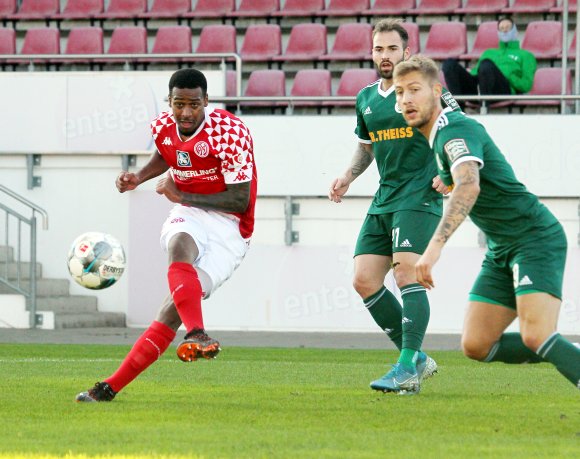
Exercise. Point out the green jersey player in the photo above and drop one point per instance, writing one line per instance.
(402, 217)
(521, 275)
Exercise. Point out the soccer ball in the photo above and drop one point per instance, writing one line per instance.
(96, 260)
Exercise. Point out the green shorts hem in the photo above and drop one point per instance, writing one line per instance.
(483, 299)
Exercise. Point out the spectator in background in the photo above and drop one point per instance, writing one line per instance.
(507, 69)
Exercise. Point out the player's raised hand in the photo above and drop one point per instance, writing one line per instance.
(126, 181)
(424, 266)
(167, 187)
(440, 187)
(338, 189)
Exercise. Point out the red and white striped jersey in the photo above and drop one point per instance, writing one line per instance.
(219, 153)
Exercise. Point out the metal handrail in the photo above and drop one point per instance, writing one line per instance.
(103, 58)
(31, 293)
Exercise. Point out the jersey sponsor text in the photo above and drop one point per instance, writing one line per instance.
(391, 134)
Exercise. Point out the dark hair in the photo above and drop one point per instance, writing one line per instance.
(505, 18)
(392, 25)
(188, 79)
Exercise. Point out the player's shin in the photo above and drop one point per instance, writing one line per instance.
(147, 349)
(511, 349)
(186, 291)
(563, 355)
(415, 319)
(387, 313)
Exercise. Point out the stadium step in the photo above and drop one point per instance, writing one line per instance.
(44, 287)
(87, 320)
(67, 304)
(11, 269)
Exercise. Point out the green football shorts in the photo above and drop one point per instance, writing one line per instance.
(536, 265)
(402, 231)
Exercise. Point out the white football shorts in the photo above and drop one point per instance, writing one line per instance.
(217, 236)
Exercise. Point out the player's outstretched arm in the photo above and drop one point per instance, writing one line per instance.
(463, 197)
(234, 199)
(127, 181)
(362, 158)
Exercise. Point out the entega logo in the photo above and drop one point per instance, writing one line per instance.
(391, 134)
(398, 109)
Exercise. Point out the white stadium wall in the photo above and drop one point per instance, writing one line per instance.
(85, 125)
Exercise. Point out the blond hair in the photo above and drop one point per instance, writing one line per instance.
(418, 63)
(392, 25)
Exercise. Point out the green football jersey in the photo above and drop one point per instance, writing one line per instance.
(403, 157)
(505, 210)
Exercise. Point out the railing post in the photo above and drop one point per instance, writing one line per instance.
(32, 320)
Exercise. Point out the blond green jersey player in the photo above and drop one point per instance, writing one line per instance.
(523, 269)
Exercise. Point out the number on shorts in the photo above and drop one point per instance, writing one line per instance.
(395, 235)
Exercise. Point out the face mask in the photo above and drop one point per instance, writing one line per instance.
(510, 35)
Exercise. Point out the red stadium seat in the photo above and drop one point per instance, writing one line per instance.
(212, 9)
(81, 9)
(414, 41)
(351, 82)
(547, 81)
(390, 8)
(307, 42)
(171, 40)
(311, 82)
(445, 40)
(126, 40)
(572, 7)
(216, 38)
(485, 38)
(7, 8)
(300, 8)
(119, 9)
(261, 43)
(84, 40)
(266, 83)
(45, 40)
(436, 7)
(482, 7)
(231, 83)
(543, 39)
(37, 9)
(256, 8)
(530, 6)
(7, 41)
(345, 8)
(168, 9)
(353, 42)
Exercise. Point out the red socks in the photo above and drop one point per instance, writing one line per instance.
(185, 289)
(146, 350)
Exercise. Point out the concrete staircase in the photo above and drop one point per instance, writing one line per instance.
(70, 311)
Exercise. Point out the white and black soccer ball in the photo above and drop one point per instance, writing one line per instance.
(96, 260)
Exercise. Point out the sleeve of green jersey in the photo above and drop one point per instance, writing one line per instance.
(361, 130)
(457, 144)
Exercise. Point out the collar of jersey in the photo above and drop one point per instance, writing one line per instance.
(384, 93)
(437, 125)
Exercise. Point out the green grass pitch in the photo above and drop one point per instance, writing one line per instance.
(280, 403)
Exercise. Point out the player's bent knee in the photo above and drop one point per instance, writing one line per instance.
(474, 349)
(533, 340)
(365, 287)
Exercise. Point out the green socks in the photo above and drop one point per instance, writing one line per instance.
(387, 313)
(511, 349)
(416, 313)
(563, 355)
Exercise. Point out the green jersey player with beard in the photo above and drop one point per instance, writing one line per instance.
(403, 214)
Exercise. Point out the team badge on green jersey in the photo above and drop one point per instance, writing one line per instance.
(456, 148)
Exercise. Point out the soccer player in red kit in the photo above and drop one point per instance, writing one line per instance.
(207, 158)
